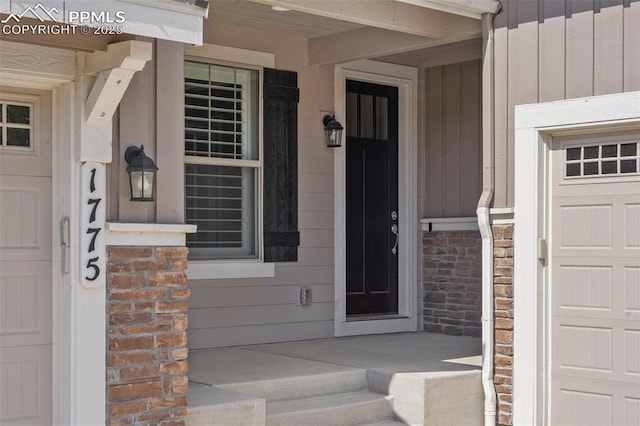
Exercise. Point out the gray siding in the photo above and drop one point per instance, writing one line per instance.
(549, 50)
(228, 312)
(452, 152)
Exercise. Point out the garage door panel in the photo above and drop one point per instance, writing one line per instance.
(25, 385)
(608, 403)
(598, 188)
(632, 289)
(585, 226)
(26, 262)
(585, 287)
(632, 225)
(25, 303)
(595, 281)
(585, 348)
(25, 218)
(631, 349)
(584, 408)
(596, 286)
(632, 411)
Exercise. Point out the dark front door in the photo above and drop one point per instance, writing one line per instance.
(372, 199)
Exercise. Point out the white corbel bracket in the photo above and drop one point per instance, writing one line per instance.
(114, 69)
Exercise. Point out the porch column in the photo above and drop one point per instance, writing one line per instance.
(147, 303)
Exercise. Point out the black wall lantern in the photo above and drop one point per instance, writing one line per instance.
(332, 131)
(142, 174)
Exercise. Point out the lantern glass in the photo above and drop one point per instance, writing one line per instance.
(142, 185)
(333, 137)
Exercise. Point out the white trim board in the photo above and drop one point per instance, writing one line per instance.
(406, 79)
(147, 234)
(534, 127)
(433, 224)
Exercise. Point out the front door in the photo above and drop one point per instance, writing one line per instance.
(371, 199)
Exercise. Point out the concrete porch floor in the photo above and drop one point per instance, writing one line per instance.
(395, 353)
(402, 365)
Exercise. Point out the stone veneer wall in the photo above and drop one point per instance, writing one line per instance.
(452, 275)
(146, 336)
(503, 292)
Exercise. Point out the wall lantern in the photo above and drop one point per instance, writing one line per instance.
(332, 131)
(142, 174)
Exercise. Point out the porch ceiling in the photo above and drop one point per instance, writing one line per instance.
(345, 30)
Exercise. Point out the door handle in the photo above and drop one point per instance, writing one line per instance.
(394, 231)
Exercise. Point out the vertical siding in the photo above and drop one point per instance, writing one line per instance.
(550, 50)
(452, 148)
(248, 311)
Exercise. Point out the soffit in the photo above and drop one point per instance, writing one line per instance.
(336, 40)
(260, 16)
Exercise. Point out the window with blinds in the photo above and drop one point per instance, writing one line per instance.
(222, 161)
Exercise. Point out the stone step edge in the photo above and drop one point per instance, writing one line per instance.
(337, 400)
(302, 387)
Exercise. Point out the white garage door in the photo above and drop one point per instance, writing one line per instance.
(25, 259)
(595, 281)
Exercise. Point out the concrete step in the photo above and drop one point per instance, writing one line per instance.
(389, 423)
(307, 386)
(433, 398)
(213, 406)
(346, 409)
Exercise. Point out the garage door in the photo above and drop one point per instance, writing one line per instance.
(595, 281)
(25, 259)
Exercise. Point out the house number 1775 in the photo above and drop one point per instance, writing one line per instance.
(93, 221)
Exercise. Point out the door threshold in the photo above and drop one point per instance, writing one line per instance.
(375, 317)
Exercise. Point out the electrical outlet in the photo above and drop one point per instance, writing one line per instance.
(306, 296)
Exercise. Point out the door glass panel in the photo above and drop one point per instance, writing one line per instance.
(18, 137)
(628, 150)
(382, 118)
(609, 167)
(609, 151)
(352, 114)
(590, 169)
(628, 166)
(590, 152)
(366, 117)
(17, 114)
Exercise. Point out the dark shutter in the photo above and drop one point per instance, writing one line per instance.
(280, 132)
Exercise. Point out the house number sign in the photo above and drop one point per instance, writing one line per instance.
(92, 267)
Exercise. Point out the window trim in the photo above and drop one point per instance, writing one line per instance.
(236, 267)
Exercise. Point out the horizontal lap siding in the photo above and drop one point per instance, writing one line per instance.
(249, 311)
(549, 50)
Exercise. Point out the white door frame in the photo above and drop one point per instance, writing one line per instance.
(535, 125)
(406, 79)
(78, 358)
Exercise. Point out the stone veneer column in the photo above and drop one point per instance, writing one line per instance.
(146, 335)
(503, 292)
(452, 275)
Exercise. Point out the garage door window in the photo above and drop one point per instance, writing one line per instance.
(603, 160)
(15, 125)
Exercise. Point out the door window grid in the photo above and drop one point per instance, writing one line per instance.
(16, 125)
(367, 116)
(610, 159)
